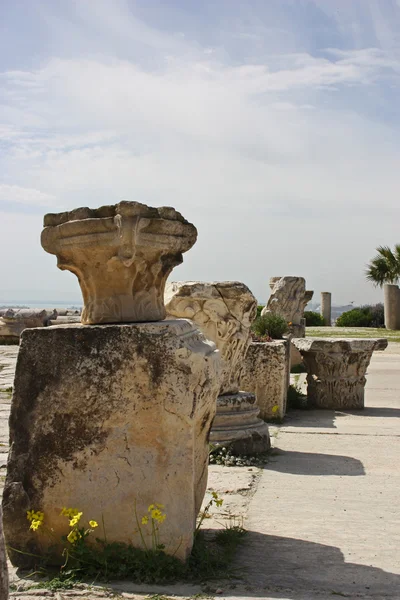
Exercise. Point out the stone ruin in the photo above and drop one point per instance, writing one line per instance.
(224, 311)
(336, 369)
(14, 321)
(265, 371)
(117, 416)
(289, 299)
(391, 294)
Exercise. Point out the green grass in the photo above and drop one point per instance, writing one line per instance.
(353, 332)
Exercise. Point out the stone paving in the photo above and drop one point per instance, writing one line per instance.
(322, 516)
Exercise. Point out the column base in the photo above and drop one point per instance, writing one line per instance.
(237, 424)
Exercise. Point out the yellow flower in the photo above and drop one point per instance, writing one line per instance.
(157, 515)
(93, 524)
(35, 524)
(218, 501)
(151, 507)
(75, 520)
(275, 408)
(145, 520)
(73, 536)
(30, 515)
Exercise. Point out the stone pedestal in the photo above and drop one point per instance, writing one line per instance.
(237, 424)
(224, 311)
(326, 308)
(392, 306)
(265, 371)
(3, 563)
(113, 415)
(336, 370)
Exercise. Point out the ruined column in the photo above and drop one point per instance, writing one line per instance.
(336, 370)
(326, 307)
(225, 311)
(113, 416)
(392, 306)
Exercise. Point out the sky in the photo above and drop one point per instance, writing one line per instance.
(272, 125)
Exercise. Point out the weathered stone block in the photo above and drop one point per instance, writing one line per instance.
(336, 369)
(265, 372)
(288, 299)
(107, 416)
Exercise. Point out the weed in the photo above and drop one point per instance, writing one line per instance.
(221, 455)
(105, 561)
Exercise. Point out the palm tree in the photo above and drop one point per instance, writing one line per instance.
(385, 266)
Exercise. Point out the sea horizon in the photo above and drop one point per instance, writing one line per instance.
(41, 304)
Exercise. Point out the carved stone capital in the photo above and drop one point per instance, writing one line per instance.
(336, 369)
(224, 311)
(122, 256)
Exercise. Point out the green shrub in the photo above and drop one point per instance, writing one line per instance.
(357, 317)
(271, 325)
(363, 316)
(313, 319)
(378, 317)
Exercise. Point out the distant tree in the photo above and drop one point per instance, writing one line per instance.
(385, 266)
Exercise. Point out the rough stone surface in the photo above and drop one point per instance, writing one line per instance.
(224, 311)
(288, 298)
(392, 306)
(336, 369)
(265, 371)
(3, 563)
(113, 415)
(122, 256)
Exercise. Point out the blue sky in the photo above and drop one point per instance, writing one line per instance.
(272, 125)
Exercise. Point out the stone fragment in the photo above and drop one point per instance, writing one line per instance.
(287, 299)
(113, 419)
(265, 372)
(3, 563)
(336, 369)
(122, 256)
(14, 321)
(224, 311)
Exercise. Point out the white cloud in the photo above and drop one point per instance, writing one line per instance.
(259, 156)
(22, 195)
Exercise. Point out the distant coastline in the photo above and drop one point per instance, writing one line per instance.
(41, 304)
